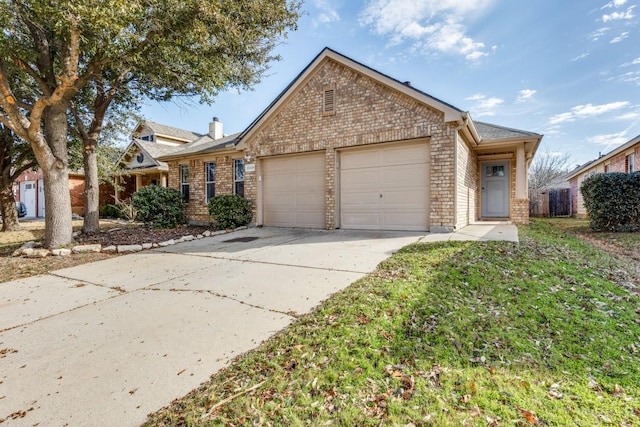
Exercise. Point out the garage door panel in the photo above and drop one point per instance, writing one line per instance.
(359, 178)
(398, 176)
(293, 191)
(404, 156)
(385, 188)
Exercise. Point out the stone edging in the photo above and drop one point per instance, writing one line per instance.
(34, 250)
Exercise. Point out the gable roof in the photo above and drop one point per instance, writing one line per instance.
(204, 144)
(151, 150)
(168, 131)
(604, 158)
(451, 113)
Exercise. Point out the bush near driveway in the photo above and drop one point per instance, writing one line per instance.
(612, 201)
(229, 211)
(159, 207)
(455, 333)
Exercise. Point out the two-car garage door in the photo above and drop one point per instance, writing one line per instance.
(380, 188)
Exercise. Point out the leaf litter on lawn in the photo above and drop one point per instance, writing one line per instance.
(456, 333)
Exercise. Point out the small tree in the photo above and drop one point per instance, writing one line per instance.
(230, 211)
(159, 207)
(546, 170)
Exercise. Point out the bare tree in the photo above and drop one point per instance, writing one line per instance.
(548, 169)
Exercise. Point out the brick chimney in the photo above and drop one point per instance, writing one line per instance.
(215, 129)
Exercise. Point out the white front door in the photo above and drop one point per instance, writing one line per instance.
(28, 196)
(495, 189)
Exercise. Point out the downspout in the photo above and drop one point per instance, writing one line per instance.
(465, 122)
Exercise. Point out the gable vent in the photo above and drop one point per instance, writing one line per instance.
(329, 101)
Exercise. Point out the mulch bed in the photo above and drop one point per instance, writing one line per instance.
(138, 234)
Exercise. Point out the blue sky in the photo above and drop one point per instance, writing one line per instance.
(564, 68)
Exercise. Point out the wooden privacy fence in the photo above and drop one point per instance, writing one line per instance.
(556, 202)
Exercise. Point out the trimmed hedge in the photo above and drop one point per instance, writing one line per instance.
(229, 211)
(159, 207)
(612, 201)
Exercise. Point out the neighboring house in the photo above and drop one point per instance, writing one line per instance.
(345, 146)
(625, 159)
(29, 189)
(149, 141)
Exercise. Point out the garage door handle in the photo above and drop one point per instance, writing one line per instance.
(381, 196)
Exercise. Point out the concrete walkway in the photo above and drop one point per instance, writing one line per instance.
(107, 343)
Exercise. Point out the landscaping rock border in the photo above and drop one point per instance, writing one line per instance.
(35, 250)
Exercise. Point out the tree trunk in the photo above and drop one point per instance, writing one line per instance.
(8, 205)
(55, 168)
(91, 190)
(7, 199)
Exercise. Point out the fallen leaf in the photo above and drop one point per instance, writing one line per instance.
(132, 392)
(617, 391)
(475, 411)
(474, 388)
(466, 398)
(528, 415)
(493, 422)
(555, 394)
(636, 411)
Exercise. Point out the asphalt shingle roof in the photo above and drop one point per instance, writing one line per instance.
(490, 131)
(171, 131)
(204, 144)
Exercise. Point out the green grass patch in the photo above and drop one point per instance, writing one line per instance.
(456, 333)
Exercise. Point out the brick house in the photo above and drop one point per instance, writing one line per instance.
(345, 146)
(141, 167)
(625, 159)
(28, 188)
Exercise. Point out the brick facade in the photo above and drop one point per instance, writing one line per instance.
(366, 113)
(197, 208)
(612, 162)
(365, 110)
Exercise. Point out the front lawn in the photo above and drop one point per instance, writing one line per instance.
(500, 334)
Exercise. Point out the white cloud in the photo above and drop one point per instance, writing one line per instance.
(597, 34)
(616, 16)
(484, 105)
(634, 62)
(632, 77)
(619, 38)
(326, 13)
(431, 25)
(581, 56)
(585, 111)
(631, 115)
(610, 139)
(614, 3)
(525, 94)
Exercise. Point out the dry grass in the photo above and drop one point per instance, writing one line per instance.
(16, 268)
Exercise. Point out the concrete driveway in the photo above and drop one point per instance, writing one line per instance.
(107, 343)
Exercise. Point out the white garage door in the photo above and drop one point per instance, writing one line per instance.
(293, 189)
(385, 188)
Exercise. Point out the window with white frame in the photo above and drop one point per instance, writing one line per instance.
(184, 182)
(238, 177)
(209, 180)
(629, 160)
